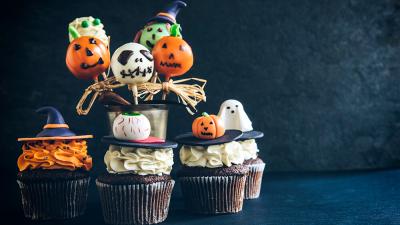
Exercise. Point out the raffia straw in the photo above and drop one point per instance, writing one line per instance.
(98, 87)
(188, 94)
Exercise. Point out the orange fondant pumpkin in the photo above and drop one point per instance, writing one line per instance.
(207, 127)
(87, 57)
(172, 56)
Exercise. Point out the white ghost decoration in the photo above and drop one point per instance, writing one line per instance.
(234, 117)
(132, 63)
(131, 127)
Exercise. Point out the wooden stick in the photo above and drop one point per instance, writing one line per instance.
(134, 89)
(152, 80)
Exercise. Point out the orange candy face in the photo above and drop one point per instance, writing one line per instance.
(208, 127)
(87, 57)
(172, 56)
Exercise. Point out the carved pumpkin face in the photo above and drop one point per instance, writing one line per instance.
(172, 56)
(207, 127)
(87, 57)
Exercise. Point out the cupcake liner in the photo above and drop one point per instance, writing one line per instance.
(253, 181)
(135, 203)
(214, 194)
(44, 200)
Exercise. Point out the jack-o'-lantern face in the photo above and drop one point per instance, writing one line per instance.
(87, 57)
(208, 127)
(152, 33)
(172, 56)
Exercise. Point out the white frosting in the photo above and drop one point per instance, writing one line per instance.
(92, 31)
(140, 161)
(234, 117)
(249, 149)
(212, 156)
(133, 127)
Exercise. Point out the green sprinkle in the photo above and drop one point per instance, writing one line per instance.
(74, 33)
(131, 114)
(96, 22)
(176, 30)
(85, 24)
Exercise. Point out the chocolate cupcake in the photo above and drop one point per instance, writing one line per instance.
(234, 117)
(137, 188)
(212, 177)
(54, 165)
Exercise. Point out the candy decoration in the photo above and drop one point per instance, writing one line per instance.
(87, 57)
(208, 127)
(173, 56)
(132, 64)
(234, 117)
(131, 127)
(88, 26)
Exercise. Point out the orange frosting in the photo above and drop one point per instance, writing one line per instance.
(57, 154)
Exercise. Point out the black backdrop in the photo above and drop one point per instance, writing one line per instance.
(320, 78)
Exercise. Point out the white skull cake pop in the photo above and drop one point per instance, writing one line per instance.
(234, 117)
(131, 127)
(132, 63)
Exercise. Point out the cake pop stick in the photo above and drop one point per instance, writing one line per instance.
(132, 64)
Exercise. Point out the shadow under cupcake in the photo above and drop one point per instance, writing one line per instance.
(54, 165)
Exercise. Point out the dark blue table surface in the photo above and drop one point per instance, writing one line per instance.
(370, 197)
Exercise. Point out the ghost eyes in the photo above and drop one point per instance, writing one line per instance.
(236, 106)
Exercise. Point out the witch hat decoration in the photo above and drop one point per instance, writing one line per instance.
(168, 15)
(55, 128)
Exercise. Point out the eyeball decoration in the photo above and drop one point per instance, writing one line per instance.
(87, 57)
(131, 127)
(173, 56)
(208, 127)
(88, 26)
(132, 64)
(234, 117)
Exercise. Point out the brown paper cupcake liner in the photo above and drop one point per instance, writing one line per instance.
(253, 181)
(44, 200)
(214, 194)
(135, 203)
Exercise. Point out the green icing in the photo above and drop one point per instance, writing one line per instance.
(176, 30)
(74, 33)
(158, 29)
(131, 114)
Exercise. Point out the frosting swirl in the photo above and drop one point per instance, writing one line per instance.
(57, 154)
(140, 161)
(212, 156)
(249, 149)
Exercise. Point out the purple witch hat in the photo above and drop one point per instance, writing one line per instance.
(169, 13)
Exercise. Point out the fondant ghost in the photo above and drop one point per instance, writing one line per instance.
(234, 117)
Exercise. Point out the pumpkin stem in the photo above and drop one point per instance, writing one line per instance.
(176, 30)
(205, 114)
(74, 32)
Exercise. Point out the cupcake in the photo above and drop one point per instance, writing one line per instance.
(213, 175)
(233, 116)
(53, 171)
(138, 186)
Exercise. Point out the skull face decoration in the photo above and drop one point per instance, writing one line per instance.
(234, 117)
(132, 63)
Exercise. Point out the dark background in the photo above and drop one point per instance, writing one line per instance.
(320, 78)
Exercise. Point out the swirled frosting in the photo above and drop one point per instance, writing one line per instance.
(140, 161)
(91, 30)
(249, 149)
(212, 156)
(58, 154)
